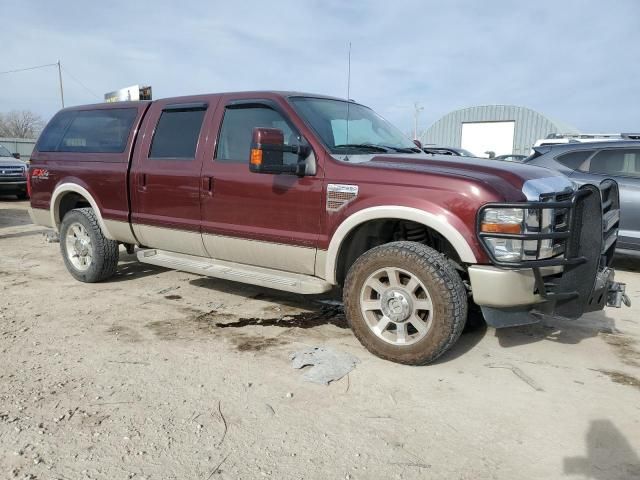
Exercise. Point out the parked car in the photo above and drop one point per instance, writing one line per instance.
(593, 162)
(436, 150)
(13, 174)
(272, 189)
(511, 158)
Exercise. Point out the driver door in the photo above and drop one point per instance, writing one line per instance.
(265, 220)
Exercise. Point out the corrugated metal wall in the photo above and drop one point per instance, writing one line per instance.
(529, 125)
(23, 146)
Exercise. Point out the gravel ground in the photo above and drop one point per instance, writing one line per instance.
(160, 374)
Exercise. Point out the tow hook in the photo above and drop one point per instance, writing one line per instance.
(616, 295)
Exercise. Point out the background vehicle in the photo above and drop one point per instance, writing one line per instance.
(436, 150)
(559, 138)
(511, 158)
(304, 193)
(591, 163)
(13, 175)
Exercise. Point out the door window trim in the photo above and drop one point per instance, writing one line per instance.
(173, 108)
(243, 103)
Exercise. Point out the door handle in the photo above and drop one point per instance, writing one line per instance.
(142, 182)
(207, 185)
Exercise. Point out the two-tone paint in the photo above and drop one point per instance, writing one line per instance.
(210, 208)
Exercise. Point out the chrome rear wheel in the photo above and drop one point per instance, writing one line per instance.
(79, 247)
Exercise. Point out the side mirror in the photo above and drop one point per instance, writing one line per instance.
(418, 143)
(267, 153)
(16, 156)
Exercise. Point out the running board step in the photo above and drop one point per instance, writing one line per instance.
(238, 272)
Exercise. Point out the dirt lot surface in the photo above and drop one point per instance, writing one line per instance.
(160, 374)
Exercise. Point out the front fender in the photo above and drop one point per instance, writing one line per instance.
(440, 222)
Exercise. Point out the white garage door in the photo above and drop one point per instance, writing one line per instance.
(481, 137)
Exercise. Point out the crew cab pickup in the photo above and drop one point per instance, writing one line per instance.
(306, 193)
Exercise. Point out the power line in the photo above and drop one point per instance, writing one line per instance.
(80, 83)
(30, 68)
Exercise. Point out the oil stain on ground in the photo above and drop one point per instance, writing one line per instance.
(625, 348)
(199, 325)
(327, 315)
(622, 378)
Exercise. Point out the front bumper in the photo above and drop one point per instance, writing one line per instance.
(577, 281)
(13, 186)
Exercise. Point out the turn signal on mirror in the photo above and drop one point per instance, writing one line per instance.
(256, 156)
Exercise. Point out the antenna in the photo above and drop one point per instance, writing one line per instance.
(348, 91)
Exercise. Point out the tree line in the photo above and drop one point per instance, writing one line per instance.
(20, 124)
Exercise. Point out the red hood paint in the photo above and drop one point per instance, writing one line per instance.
(505, 178)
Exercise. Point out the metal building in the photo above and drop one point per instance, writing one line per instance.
(501, 129)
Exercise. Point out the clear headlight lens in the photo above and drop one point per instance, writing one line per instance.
(517, 221)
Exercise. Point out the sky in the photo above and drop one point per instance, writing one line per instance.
(572, 60)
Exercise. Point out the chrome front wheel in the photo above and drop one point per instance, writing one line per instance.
(396, 306)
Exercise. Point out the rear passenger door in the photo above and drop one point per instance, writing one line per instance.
(165, 176)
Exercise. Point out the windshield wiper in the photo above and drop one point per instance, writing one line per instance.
(364, 146)
(403, 149)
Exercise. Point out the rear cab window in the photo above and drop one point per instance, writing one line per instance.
(88, 131)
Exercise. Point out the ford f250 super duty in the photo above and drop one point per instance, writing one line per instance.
(305, 193)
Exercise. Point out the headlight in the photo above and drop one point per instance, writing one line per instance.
(517, 221)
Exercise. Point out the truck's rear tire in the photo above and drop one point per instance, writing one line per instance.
(88, 255)
(405, 302)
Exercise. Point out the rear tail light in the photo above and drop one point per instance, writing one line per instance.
(28, 174)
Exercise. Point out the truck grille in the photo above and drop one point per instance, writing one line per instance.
(562, 228)
(610, 215)
(12, 171)
(548, 221)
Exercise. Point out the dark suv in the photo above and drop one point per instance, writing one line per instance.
(592, 163)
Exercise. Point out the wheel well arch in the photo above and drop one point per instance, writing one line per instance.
(375, 226)
(68, 196)
(69, 201)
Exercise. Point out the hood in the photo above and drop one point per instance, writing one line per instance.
(12, 162)
(510, 180)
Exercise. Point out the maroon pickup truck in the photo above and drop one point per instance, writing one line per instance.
(306, 193)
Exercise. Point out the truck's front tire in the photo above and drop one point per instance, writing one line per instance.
(88, 255)
(405, 302)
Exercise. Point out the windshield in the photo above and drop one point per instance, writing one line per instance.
(4, 152)
(466, 153)
(366, 132)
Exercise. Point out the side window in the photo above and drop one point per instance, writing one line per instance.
(234, 142)
(99, 131)
(574, 160)
(53, 132)
(176, 135)
(625, 162)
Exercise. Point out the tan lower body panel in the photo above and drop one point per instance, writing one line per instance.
(40, 216)
(180, 241)
(262, 254)
(502, 288)
(120, 231)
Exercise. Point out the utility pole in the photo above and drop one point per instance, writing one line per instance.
(60, 80)
(418, 109)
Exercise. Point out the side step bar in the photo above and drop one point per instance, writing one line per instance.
(238, 272)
